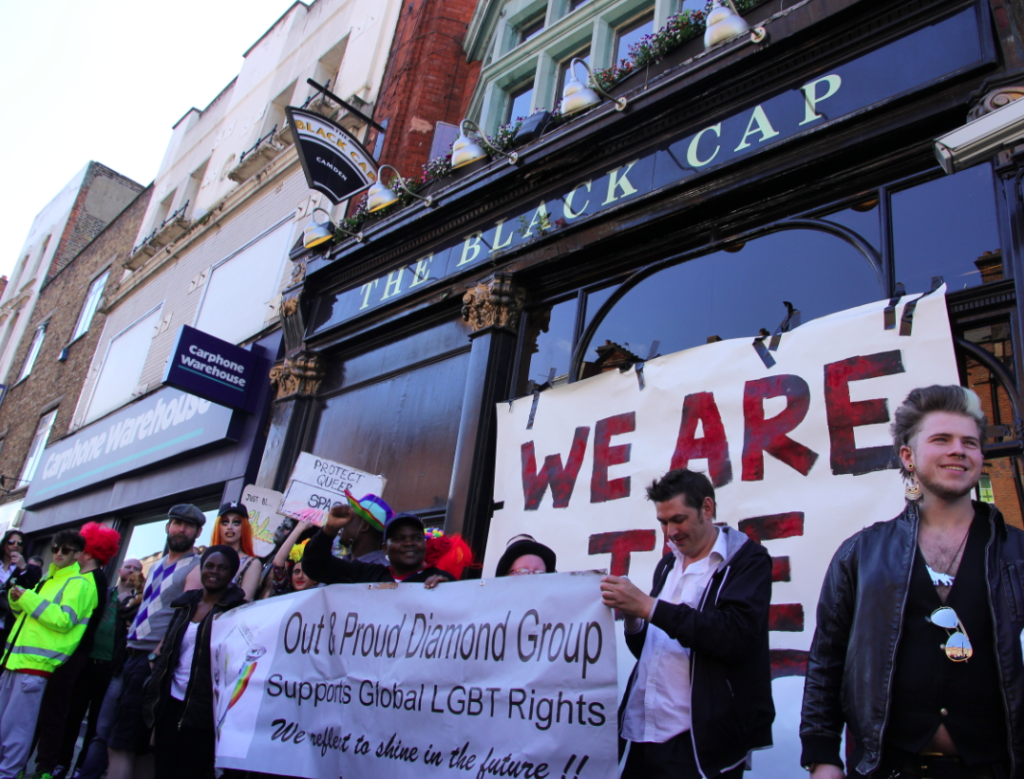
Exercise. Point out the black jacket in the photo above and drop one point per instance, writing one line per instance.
(861, 607)
(730, 668)
(199, 692)
(321, 566)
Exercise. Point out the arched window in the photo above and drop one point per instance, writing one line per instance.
(731, 293)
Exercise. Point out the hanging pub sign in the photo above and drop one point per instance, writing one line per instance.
(210, 368)
(334, 162)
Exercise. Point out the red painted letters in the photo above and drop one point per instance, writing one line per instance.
(701, 407)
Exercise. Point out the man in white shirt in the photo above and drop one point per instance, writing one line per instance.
(699, 699)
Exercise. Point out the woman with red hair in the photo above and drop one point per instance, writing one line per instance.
(234, 529)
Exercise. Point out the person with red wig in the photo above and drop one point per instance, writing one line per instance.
(101, 545)
(234, 529)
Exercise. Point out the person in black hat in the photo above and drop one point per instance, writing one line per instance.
(404, 544)
(128, 741)
(524, 555)
(234, 529)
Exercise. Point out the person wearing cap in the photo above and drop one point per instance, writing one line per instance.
(179, 694)
(234, 529)
(128, 745)
(524, 555)
(101, 544)
(364, 535)
(404, 544)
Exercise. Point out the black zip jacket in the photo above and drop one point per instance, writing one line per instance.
(199, 692)
(321, 566)
(861, 608)
(730, 668)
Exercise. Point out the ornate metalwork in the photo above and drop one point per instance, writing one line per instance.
(496, 302)
(996, 98)
(300, 374)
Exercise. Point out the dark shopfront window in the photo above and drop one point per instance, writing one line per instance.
(395, 410)
(941, 226)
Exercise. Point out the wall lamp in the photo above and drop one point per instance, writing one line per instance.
(724, 22)
(465, 150)
(317, 233)
(382, 196)
(577, 96)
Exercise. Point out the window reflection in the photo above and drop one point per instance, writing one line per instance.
(1002, 482)
(863, 218)
(595, 300)
(630, 34)
(519, 102)
(547, 344)
(734, 294)
(944, 227)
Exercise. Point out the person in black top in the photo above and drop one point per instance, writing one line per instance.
(178, 697)
(101, 544)
(917, 646)
(404, 544)
(15, 570)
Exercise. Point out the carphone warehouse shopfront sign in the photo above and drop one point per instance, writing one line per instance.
(212, 369)
(160, 426)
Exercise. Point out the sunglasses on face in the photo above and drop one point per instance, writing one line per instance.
(64, 550)
(14, 542)
(958, 645)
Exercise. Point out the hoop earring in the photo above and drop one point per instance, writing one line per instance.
(912, 491)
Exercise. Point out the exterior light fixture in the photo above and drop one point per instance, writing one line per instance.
(381, 196)
(577, 96)
(317, 233)
(724, 22)
(465, 150)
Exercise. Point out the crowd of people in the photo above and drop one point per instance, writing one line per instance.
(887, 666)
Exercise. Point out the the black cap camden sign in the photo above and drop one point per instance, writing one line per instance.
(334, 162)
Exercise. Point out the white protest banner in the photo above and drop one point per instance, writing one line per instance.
(318, 484)
(510, 677)
(263, 516)
(799, 452)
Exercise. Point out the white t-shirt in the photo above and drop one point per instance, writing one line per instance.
(183, 671)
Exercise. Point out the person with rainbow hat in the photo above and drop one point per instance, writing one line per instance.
(404, 546)
(364, 535)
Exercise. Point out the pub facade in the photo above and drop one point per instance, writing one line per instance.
(791, 167)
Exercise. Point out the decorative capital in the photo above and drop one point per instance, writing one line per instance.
(496, 302)
(996, 98)
(298, 375)
(298, 272)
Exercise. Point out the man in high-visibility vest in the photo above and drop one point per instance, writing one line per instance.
(51, 621)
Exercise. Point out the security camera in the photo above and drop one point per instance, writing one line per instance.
(981, 139)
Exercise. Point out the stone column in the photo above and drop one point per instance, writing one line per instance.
(492, 308)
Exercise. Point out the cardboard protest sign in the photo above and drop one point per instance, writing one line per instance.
(263, 516)
(318, 484)
(794, 439)
(508, 677)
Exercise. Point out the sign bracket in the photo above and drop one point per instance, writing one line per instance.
(344, 104)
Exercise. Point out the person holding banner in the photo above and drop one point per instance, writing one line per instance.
(906, 603)
(179, 693)
(404, 544)
(525, 556)
(699, 699)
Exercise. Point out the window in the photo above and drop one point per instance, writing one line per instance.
(92, 302)
(574, 4)
(947, 227)
(33, 352)
(519, 101)
(547, 344)
(819, 273)
(122, 366)
(630, 34)
(530, 28)
(565, 76)
(35, 452)
(241, 293)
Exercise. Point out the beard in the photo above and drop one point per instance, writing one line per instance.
(180, 542)
(943, 492)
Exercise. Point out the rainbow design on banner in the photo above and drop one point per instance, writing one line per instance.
(242, 684)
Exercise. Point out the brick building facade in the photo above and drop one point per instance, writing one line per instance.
(61, 366)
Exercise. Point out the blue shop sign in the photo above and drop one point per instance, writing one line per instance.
(213, 369)
(928, 56)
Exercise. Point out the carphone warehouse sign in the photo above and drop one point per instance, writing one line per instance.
(213, 369)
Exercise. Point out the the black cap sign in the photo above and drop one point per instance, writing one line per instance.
(334, 162)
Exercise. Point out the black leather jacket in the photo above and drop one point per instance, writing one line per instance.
(861, 608)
